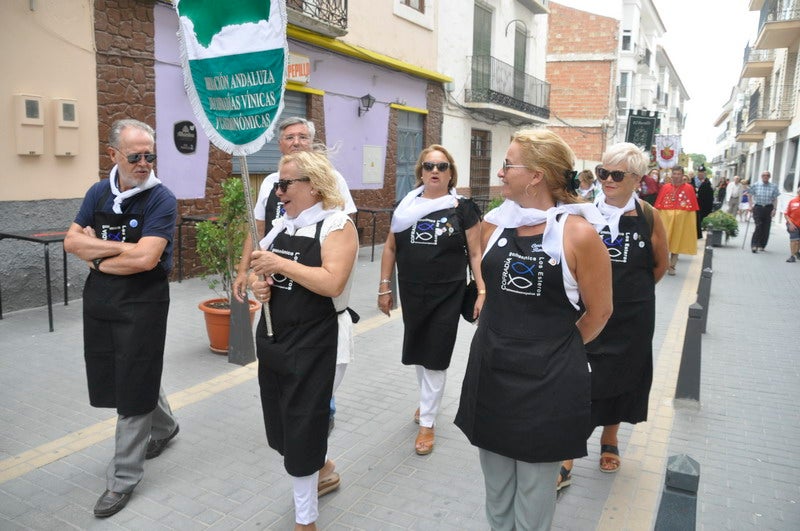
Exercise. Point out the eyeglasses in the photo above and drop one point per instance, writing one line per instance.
(283, 184)
(506, 165)
(134, 158)
(617, 175)
(441, 166)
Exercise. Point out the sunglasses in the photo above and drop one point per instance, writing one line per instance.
(617, 175)
(283, 184)
(134, 158)
(441, 166)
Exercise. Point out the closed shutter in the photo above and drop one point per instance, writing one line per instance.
(266, 159)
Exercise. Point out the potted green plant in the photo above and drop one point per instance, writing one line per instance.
(219, 244)
(719, 223)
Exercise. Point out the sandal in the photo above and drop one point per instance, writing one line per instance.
(609, 463)
(330, 481)
(424, 442)
(564, 478)
(671, 271)
(416, 416)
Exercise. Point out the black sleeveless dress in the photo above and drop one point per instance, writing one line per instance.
(622, 355)
(526, 391)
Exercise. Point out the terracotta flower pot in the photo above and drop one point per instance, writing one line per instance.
(217, 314)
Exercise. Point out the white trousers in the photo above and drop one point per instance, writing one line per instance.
(338, 376)
(431, 390)
(520, 496)
(306, 501)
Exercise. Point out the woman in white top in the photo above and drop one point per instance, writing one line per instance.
(308, 264)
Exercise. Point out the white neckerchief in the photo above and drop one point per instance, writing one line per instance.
(410, 210)
(511, 215)
(612, 213)
(310, 216)
(119, 197)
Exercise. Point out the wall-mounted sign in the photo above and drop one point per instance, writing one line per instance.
(185, 136)
(299, 68)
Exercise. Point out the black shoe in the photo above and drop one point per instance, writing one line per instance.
(754, 250)
(111, 503)
(792, 259)
(156, 446)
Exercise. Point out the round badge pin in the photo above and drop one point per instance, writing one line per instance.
(552, 261)
(134, 223)
(641, 244)
(502, 242)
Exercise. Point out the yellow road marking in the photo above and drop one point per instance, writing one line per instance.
(632, 502)
(47, 453)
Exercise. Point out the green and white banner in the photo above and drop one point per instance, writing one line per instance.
(234, 56)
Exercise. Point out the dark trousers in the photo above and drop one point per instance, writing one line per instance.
(762, 216)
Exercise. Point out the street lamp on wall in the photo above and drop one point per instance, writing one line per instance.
(365, 103)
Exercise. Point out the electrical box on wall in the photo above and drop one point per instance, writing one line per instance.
(28, 124)
(66, 115)
(372, 172)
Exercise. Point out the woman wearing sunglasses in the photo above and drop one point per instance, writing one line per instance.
(525, 401)
(434, 234)
(311, 252)
(621, 357)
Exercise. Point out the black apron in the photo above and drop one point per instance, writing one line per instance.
(431, 268)
(125, 321)
(295, 373)
(272, 210)
(526, 391)
(622, 355)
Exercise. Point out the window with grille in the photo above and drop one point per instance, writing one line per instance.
(419, 5)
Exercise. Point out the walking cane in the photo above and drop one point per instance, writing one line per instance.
(746, 227)
(248, 198)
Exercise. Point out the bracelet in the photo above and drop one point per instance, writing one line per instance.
(481, 292)
(385, 281)
(96, 262)
(387, 292)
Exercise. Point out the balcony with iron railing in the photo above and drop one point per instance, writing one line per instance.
(757, 63)
(326, 17)
(778, 25)
(722, 137)
(537, 7)
(766, 113)
(498, 88)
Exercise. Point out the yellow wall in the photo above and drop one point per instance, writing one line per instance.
(48, 52)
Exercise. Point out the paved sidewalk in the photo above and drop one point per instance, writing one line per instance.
(220, 474)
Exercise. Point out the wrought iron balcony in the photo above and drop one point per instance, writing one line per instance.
(779, 25)
(326, 17)
(757, 63)
(498, 87)
(765, 113)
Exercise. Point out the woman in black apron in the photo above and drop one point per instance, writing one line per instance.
(312, 250)
(434, 235)
(622, 355)
(526, 393)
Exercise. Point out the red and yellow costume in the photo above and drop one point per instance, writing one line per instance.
(677, 206)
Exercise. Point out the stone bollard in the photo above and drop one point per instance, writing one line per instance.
(704, 294)
(708, 256)
(678, 507)
(688, 385)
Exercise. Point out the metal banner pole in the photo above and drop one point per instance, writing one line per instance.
(248, 198)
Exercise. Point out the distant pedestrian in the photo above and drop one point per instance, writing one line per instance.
(650, 186)
(677, 205)
(764, 199)
(621, 357)
(587, 188)
(733, 195)
(792, 214)
(124, 231)
(745, 206)
(705, 198)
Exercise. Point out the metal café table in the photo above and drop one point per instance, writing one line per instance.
(374, 211)
(185, 220)
(45, 237)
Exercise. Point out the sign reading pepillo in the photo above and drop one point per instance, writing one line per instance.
(234, 65)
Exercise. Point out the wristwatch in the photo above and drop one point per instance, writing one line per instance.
(97, 262)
